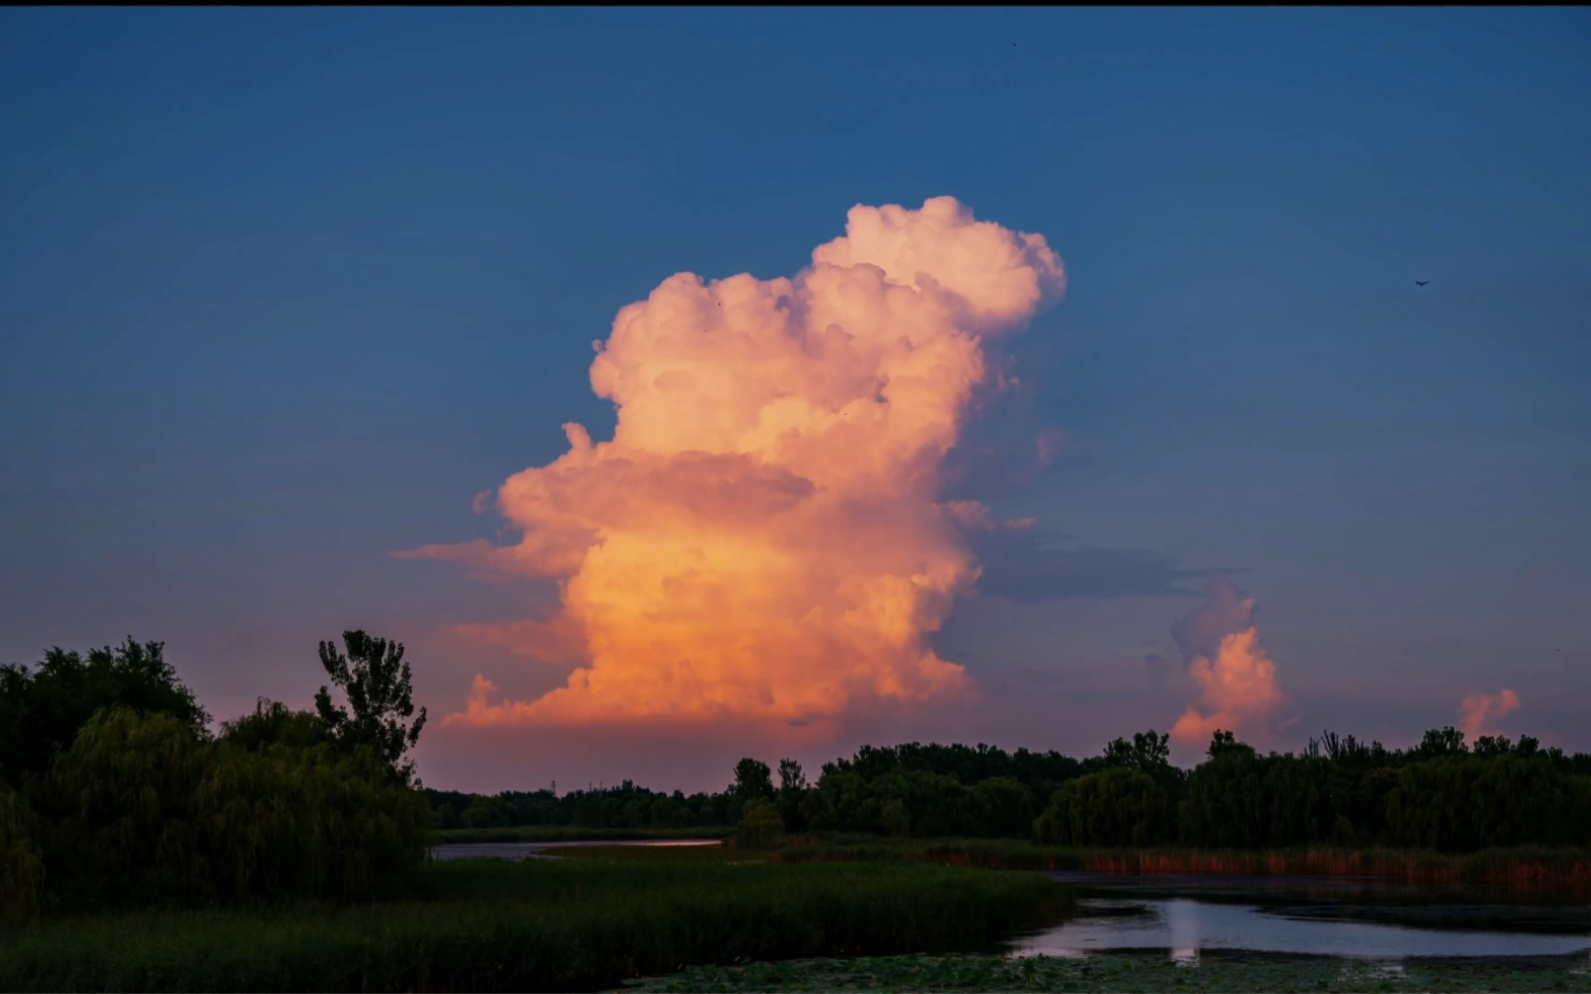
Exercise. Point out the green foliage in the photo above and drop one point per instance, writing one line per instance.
(282, 822)
(1003, 807)
(1122, 806)
(41, 710)
(21, 863)
(760, 825)
(792, 791)
(753, 779)
(144, 813)
(274, 723)
(1462, 802)
(485, 925)
(1148, 751)
(120, 803)
(1439, 743)
(1239, 799)
(626, 810)
(376, 681)
(1040, 772)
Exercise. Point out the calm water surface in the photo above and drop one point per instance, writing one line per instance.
(1363, 918)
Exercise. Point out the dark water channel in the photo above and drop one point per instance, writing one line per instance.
(1328, 916)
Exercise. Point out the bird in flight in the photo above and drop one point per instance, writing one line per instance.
(1421, 282)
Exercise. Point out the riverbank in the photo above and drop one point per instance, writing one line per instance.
(1146, 972)
(489, 925)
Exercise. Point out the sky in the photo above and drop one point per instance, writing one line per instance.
(287, 295)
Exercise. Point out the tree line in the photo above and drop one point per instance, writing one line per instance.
(1442, 794)
(114, 792)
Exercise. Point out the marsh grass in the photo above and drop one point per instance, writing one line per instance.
(492, 925)
(1525, 868)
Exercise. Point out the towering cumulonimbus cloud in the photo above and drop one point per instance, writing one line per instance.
(1236, 678)
(762, 537)
(1477, 711)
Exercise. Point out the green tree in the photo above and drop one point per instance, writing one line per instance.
(1004, 807)
(274, 723)
(21, 862)
(1242, 800)
(760, 824)
(376, 681)
(42, 710)
(1148, 751)
(1121, 806)
(791, 777)
(1438, 743)
(792, 791)
(120, 807)
(753, 779)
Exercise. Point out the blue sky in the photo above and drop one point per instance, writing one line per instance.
(281, 291)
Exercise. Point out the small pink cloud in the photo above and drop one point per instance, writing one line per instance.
(1478, 711)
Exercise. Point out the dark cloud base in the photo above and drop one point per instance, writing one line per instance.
(1025, 566)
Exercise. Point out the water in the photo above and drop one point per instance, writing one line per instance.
(1348, 917)
(528, 850)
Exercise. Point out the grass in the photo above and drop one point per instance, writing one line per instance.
(1527, 868)
(1213, 971)
(570, 833)
(492, 925)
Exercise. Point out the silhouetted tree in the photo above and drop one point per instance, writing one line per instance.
(1448, 741)
(376, 681)
(274, 723)
(792, 791)
(791, 777)
(753, 779)
(42, 710)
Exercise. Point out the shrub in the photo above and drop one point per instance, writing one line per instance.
(760, 825)
(21, 863)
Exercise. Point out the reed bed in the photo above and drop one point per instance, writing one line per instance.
(492, 925)
(1525, 867)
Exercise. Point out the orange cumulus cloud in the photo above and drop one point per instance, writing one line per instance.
(1477, 711)
(1237, 683)
(762, 539)
(1238, 688)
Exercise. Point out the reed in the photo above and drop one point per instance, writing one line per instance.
(1523, 867)
(1528, 867)
(491, 925)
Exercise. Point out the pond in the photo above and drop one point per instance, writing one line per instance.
(1351, 917)
(527, 850)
